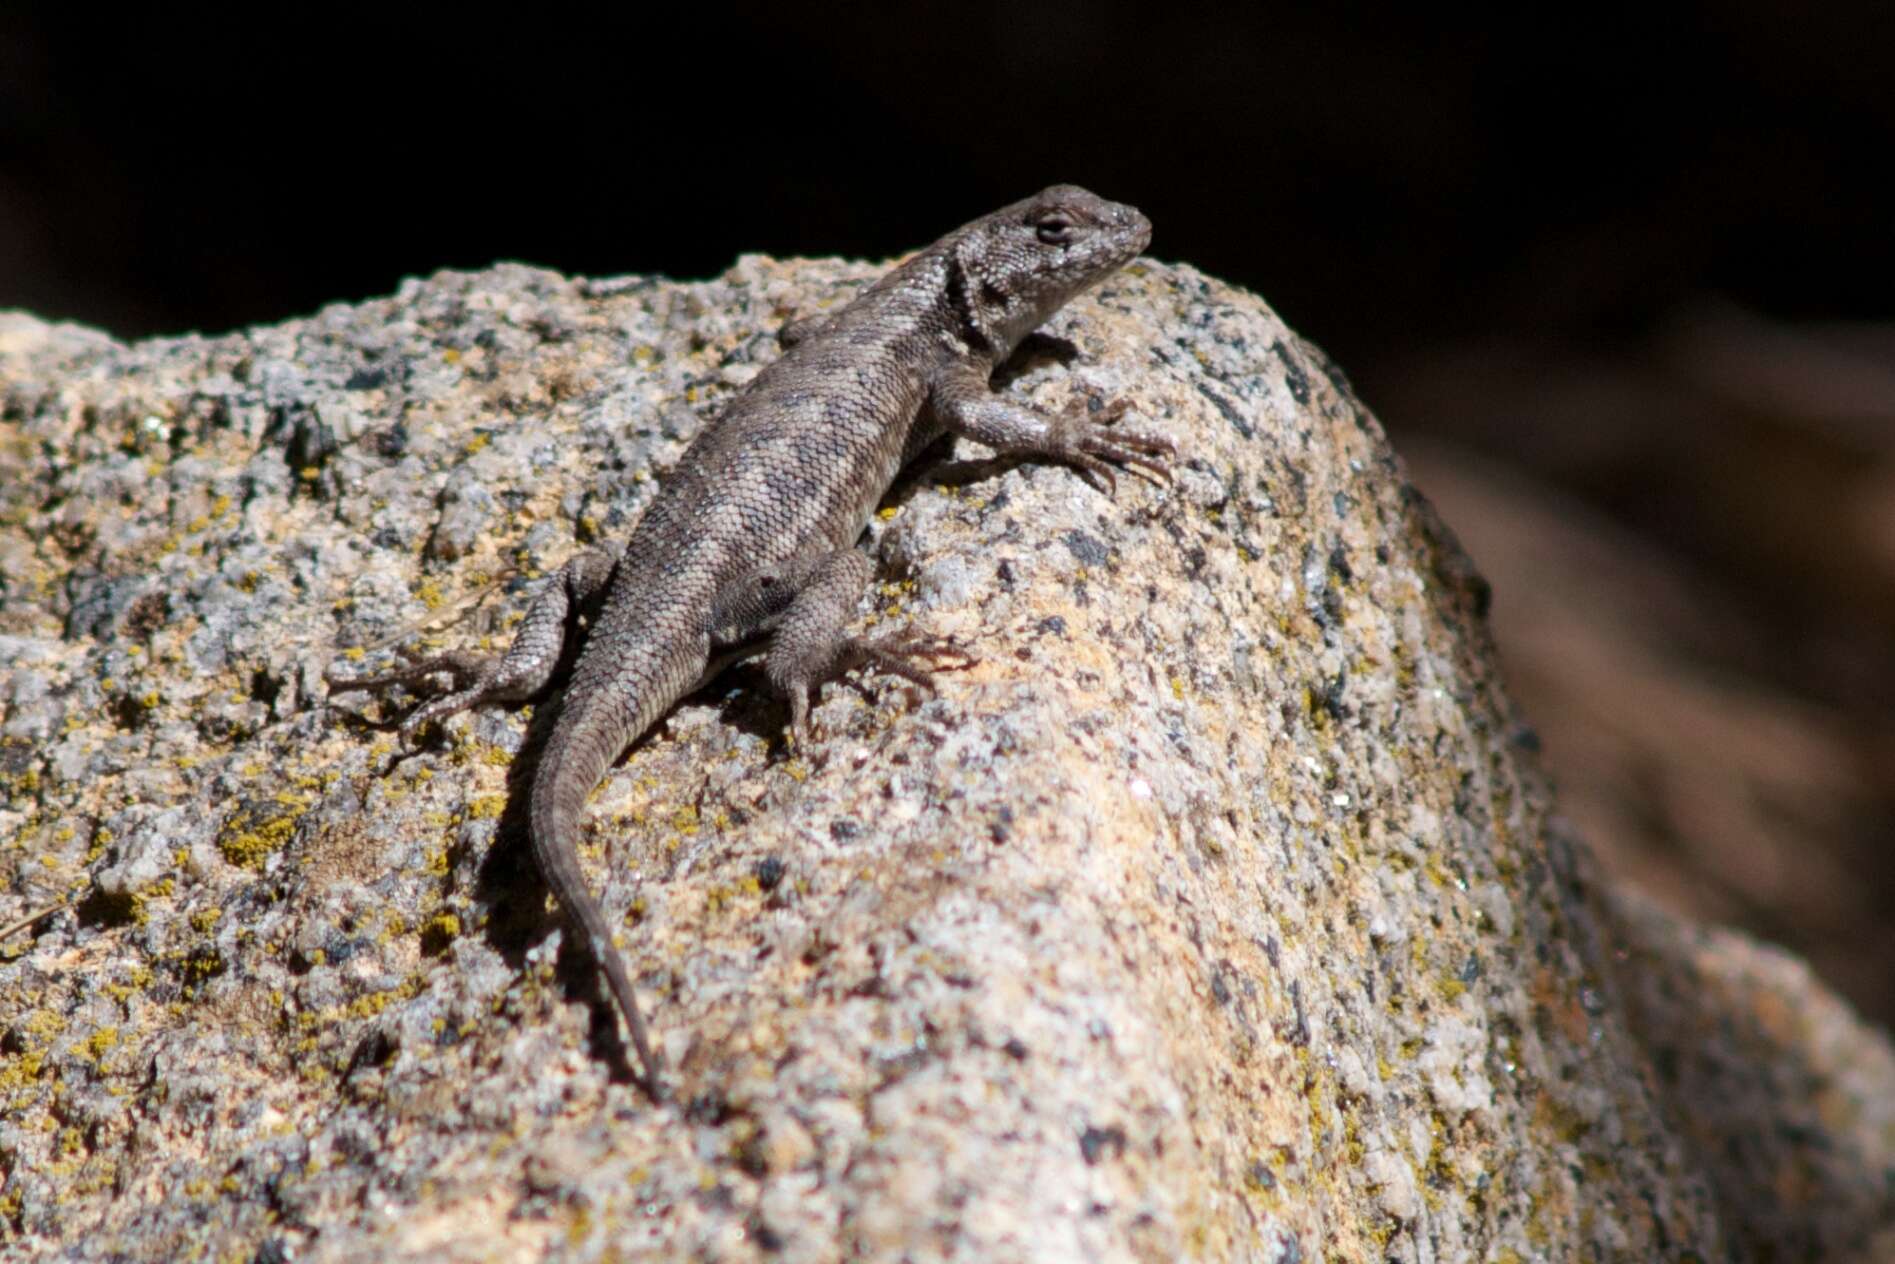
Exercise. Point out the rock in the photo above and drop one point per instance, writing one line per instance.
(1218, 912)
(1785, 1097)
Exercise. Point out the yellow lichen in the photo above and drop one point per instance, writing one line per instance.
(486, 807)
(99, 1043)
(259, 829)
(439, 931)
(20, 1069)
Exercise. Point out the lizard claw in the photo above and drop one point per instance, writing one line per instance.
(471, 675)
(1078, 439)
(893, 655)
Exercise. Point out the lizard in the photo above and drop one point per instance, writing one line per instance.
(749, 547)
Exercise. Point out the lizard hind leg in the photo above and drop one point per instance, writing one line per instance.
(514, 676)
(809, 646)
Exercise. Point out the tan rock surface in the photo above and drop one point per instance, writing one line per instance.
(1214, 914)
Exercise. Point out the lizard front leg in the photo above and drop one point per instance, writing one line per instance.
(963, 402)
(515, 676)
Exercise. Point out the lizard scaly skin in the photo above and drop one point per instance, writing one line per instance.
(750, 542)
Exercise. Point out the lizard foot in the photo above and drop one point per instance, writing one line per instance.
(472, 675)
(1078, 439)
(912, 655)
(896, 654)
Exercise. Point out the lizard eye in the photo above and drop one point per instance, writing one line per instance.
(1054, 229)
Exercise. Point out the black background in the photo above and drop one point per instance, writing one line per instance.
(1388, 176)
(1493, 221)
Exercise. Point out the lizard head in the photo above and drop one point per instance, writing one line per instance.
(1022, 263)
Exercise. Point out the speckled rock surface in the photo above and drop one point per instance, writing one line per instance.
(1214, 914)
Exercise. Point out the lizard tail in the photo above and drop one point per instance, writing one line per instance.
(570, 766)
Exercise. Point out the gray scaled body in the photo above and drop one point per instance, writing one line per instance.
(749, 545)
